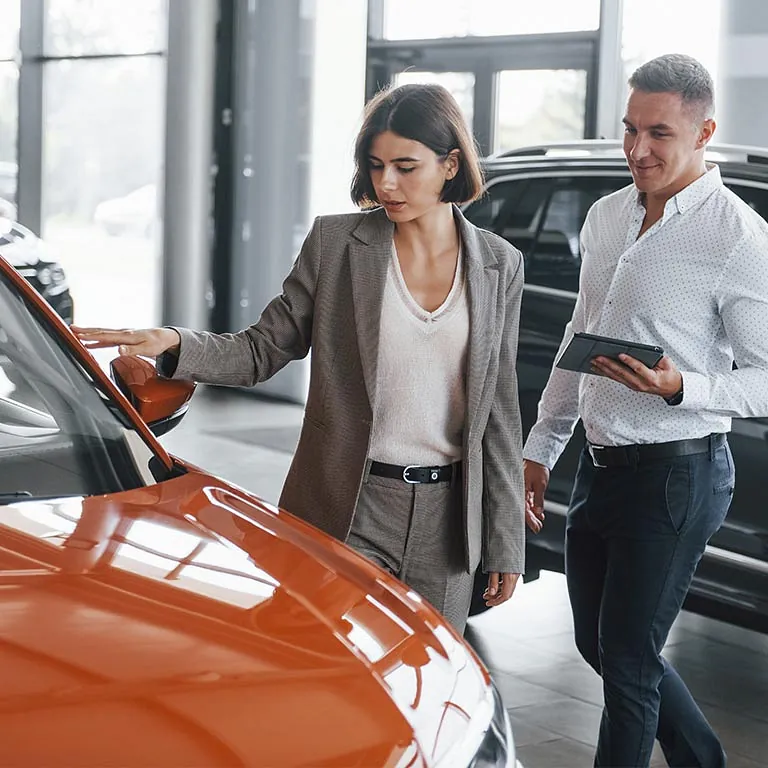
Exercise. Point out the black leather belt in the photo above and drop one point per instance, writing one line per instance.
(413, 473)
(631, 455)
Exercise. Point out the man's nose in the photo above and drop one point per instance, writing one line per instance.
(639, 147)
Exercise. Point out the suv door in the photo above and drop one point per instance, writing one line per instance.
(539, 214)
(740, 547)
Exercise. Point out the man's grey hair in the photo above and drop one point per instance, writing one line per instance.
(681, 74)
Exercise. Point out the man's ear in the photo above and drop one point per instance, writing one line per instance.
(452, 163)
(706, 131)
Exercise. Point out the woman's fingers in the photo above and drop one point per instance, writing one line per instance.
(104, 337)
(148, 342)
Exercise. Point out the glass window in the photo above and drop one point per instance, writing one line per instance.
(554, 259)
(692, 27)
(755, 197)
(428, 19)
(460, 84)
(10, 14)
(82, 27)
(543, 218)
(512, 209)
(58, 434)
(103, 148)
(9, 85)
(537, 106)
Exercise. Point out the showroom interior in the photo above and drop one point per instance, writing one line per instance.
(171, 155)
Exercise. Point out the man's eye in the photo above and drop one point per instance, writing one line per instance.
(628, 129)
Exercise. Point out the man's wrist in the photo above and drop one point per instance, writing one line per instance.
(677, 397)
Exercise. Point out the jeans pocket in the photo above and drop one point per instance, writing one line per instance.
(725, 476)
(678, 495)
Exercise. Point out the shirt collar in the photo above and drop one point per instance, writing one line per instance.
(694, 194)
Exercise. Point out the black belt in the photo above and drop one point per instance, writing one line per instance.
(413, 473)
(632, 455)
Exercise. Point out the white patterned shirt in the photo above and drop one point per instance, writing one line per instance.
(696, 284)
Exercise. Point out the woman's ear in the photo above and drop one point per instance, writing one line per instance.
(452, 163)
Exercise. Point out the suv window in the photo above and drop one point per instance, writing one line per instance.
(755, 197)
(543, 217)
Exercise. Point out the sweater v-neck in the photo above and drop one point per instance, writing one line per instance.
(413, 306)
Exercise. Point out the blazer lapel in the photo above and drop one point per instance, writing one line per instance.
(369, 256)
(482, 288)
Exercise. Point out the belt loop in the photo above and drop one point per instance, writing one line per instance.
(712, 448)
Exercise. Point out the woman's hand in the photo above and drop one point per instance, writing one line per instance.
(500, 588)
(148, 342)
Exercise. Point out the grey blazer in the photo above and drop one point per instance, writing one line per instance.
(331, 301)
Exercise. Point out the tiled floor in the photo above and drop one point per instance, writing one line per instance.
(554, 698)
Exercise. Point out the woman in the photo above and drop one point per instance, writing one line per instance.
(410, 450)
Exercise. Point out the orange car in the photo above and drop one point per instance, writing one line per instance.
(151, 614)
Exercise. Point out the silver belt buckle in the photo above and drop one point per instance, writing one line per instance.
(595, 449)
(405, 474)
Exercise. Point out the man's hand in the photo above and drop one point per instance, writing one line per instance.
(536, 478)
(500, 588)
(665, 380)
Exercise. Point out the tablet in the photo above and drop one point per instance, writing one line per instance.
(584, 347)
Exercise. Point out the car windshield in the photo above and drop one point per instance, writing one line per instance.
(59, 435)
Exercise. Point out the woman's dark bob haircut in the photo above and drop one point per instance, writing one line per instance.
(427, 114)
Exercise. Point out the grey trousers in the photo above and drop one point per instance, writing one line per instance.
(415, 533)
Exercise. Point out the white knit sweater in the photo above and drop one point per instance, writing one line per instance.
(421, 374)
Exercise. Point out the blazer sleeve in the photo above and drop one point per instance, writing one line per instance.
(282, 333)
(503, 486)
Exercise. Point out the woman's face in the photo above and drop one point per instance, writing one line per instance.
(407, 176)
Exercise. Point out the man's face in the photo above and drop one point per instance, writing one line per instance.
(664, 142)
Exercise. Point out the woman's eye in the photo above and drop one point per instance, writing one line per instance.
(407, 170)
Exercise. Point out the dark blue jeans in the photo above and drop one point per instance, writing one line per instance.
(633, 540)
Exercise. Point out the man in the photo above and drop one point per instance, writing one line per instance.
(674, 260)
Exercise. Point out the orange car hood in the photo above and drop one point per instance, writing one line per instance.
(189, 623)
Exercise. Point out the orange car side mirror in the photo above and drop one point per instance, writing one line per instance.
(162, 403)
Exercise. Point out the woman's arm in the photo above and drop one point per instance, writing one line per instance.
(282, 333)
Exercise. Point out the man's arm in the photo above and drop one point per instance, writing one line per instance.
(558, 409)
(742, 298)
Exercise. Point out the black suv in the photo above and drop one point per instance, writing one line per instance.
(537, 198)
